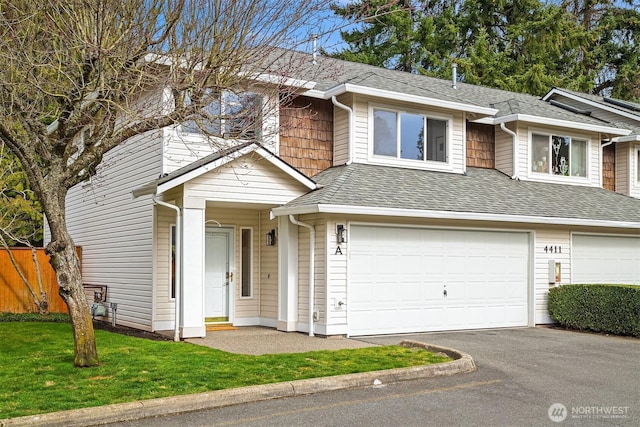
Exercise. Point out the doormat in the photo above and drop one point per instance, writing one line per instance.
(216, 319)
(214, 328)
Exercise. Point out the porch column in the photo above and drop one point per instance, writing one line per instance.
(287, 275)
(192, 325)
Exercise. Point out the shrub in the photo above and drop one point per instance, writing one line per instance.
(602, 308)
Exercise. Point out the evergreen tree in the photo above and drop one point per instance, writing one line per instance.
(518, 45)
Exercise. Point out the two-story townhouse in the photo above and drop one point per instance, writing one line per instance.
(378, 202)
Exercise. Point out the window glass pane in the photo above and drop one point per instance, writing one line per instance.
(540, 153)
(209, 119)
(560, 155)
(437, 140)
(246, 262)
(242, 114)
(578, 157)
(384, 133)
(412, 136)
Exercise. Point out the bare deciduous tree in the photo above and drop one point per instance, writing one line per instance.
(71, 66)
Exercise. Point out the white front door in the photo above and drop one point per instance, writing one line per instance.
(218, 273)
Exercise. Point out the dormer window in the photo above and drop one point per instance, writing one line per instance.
(409, 136)
(558, 155)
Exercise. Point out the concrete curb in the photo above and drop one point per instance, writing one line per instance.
(215, 399)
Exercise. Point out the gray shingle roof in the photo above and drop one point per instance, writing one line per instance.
(331, 72)
(485, 191)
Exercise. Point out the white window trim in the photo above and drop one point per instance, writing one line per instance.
(548, 177)
(636, 166)
(171, 228)
(410, 163)
(251, 261)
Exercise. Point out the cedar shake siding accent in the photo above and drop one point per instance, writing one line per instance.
(481, 146)
(609, 167)
(306, 135)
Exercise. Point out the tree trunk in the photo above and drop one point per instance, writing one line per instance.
(67, 267)
(65, 263)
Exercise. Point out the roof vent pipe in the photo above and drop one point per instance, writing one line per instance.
(314, 37)
(454, 77)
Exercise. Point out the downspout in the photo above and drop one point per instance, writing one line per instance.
(514, 137)
(178, 271)
(350, 137)
(312, 245)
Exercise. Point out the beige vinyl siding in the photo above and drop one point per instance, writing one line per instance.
(622, 168)
(320, 295)
(268, 268)
(504, 152)
(549, 238)
(634, 169)
(164, 304)
(244, 180)
(116, 230)
(362, 129)
(336, 273)
(341, 132)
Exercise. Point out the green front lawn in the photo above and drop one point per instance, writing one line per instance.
(37, 373)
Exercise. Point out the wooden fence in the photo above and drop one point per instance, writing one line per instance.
(14, 295)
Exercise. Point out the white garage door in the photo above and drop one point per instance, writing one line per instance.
(413, 280)
(605, 259)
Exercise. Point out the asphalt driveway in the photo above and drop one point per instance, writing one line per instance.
(589, 379)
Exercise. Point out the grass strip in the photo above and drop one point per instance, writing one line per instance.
(37, 373)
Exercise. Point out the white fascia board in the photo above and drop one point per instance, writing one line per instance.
(284, 167)
(561, 123)
(578, 98)
(630, 138)
(387, 94)
(485, 121)
(468, 216)
(282, 81)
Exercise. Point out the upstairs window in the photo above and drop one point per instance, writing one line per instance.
(409, 136)
(558, 155)
(230, 115)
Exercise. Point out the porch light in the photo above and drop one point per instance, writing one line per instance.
(341, 233)
(271, 238)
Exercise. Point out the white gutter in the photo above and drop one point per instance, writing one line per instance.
(350, 137)
(560, 123)
(178, 275)
(388, 94)
(470, 216)
(514, 138)
(312, 245)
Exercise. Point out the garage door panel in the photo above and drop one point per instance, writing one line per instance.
(485, 275)
(605, 259)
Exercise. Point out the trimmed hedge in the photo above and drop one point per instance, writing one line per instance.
(612, 309)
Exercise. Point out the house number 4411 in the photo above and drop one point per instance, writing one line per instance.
(553, 249)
